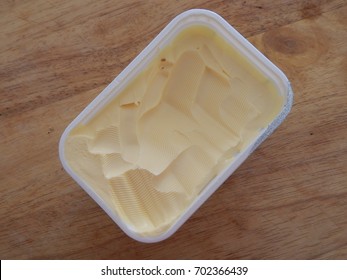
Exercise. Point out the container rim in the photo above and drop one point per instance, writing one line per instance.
(185, 18)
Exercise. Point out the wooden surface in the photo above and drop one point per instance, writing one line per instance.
(287, 201)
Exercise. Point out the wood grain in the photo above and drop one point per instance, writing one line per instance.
(287, 201)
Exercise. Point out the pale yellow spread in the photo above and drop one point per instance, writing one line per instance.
(155, 146)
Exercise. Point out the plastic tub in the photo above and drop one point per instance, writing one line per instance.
(177, 25)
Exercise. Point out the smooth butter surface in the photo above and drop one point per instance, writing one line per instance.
(156, 145)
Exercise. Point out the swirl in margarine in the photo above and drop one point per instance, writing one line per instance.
(152, 149)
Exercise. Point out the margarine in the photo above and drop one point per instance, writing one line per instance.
(151, 150)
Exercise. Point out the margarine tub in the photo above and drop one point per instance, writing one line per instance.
(175, 124)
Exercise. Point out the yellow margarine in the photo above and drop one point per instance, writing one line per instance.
(156, 145)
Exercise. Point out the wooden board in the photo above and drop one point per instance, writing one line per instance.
(287, 201)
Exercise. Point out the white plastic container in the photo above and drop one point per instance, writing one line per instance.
(182, 21)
